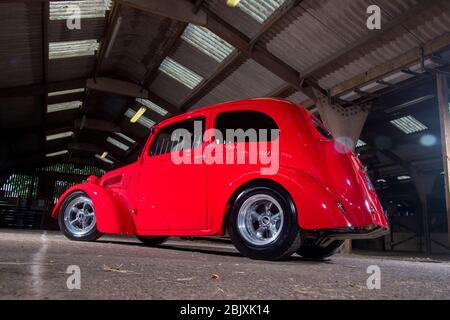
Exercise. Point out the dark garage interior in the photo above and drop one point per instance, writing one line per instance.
(67, 94)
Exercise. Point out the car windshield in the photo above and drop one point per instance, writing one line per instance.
(321, 129)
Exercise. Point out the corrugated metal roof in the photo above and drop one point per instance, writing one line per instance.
(143, 120)
(139, 41)
(125, 137)
(60, 135)
(117, 143)
(58, 153)
(64, 10)
(207, 42)
(70, 49)
(58, 93)
(180, 73)
(234, 16)
(63, 106)
(250, 80)
(259, 10)
(21, 44)
(70, 68)
(409, 124)
(153, 106)
(316, 30)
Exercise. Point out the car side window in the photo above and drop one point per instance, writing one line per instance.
(173, 137)
(249, 122)
(321, 129)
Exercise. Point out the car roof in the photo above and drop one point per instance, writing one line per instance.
(249, 102)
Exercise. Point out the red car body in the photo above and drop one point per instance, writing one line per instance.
(153, 196)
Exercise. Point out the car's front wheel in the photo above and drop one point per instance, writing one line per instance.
(152, 240)
(312, 249)
(77, 218)
(263, 223)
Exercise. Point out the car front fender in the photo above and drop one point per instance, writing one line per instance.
(111, 210)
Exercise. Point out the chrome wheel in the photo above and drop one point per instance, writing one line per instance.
(79, 216)
(260, 219)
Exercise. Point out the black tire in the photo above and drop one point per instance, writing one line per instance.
(91, 235)
(152, 241)
(288, 239)
(310, 250)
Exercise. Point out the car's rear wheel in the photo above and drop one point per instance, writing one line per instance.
(77, 218)
(151, 240)
(313, 249)
(263, 223)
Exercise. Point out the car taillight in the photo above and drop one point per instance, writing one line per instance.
(368, 181)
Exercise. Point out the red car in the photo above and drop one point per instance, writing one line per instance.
(288, 188)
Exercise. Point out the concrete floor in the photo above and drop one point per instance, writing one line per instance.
(33, 266)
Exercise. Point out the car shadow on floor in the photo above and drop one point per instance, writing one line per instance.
(213, 251)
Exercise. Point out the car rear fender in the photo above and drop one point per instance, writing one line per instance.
(316, 206)
(111, 210)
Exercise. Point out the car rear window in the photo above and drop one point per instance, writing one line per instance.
(246, 120)
(321, 129)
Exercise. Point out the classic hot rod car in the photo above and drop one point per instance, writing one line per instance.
(277, 184)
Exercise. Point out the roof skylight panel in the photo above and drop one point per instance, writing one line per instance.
(60, 135)
(207, 42)
(58, 93)
(259, 10)
(152, 106)
(125, 137)
(360, 144)
(409, 124)
(180, 73)
(63, 106)
(117, 143)
(63, 10)
(69, 49)
(146, 122)
(58, 153)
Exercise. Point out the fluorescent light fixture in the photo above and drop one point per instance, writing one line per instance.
(63, 106)
(58, 153)
(137, 115)
(180, 73)
(233, 3)
(409, 124)
(59, 93)
(146, 122)
(403, 178)
(152, 106)
(360, 144)
(104, 154)
(125, 137)
(104, 159)
(69, 49)
(117, 143)
(207, 42)
(65, 10)
(61, 135)
(259, 10)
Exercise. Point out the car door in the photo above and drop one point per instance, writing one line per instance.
(173, 194)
